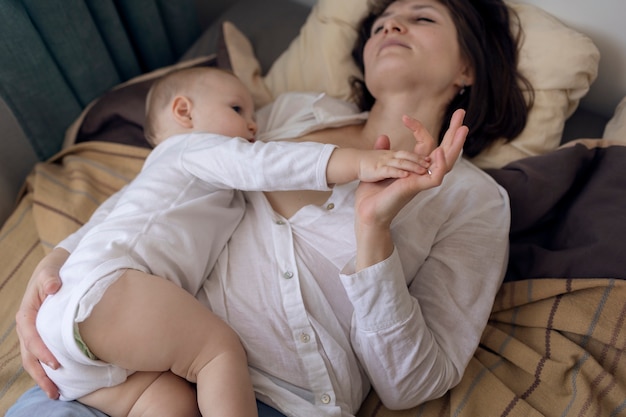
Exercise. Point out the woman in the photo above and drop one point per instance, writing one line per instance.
(370, 285)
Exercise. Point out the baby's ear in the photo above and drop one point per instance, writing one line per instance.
(181, 110)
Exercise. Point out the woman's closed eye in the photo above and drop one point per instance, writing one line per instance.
(418, 19)
(423, 19)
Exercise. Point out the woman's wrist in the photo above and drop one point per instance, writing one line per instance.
(373, 245)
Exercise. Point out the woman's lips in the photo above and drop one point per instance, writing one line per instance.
(392, 42)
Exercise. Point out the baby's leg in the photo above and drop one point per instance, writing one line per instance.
(159, 394)
(146, 323)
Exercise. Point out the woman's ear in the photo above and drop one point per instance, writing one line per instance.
(181, 110)
(466, 77)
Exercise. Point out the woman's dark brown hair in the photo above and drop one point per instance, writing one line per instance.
(495, 104)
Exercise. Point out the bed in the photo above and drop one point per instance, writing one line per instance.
(554, 345)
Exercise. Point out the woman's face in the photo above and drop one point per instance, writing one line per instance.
(413, 44)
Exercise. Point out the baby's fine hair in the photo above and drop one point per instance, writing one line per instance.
(163, 91)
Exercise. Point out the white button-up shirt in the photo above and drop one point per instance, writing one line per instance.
(318, 334)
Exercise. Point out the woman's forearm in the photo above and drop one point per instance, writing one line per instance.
(403, 358)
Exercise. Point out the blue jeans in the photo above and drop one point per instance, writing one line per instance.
(35, 403)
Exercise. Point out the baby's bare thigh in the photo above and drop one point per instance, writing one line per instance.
(161, 394)
(146, 323)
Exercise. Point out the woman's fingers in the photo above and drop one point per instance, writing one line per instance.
(443, 157)
(44, 281)
(456, 122)
(33, 351)
(424, 142)
(452, 142)
(378, 203)
(30, 339)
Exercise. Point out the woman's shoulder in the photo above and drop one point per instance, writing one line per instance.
(467, 178)
(466, 198)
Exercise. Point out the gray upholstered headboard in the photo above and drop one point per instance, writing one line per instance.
(58, 55)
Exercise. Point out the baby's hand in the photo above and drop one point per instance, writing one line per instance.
(378, 165)
(399, 164)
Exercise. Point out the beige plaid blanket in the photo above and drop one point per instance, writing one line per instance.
(553, 347)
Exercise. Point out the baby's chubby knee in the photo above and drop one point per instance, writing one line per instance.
(223, 349)
(146, 394)
(168, 396)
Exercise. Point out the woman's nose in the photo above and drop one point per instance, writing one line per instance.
(392, 25)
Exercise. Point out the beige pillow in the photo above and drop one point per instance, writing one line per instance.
(560, 62)
(244, 64)
(319, 59)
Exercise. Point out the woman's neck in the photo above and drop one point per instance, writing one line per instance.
(386, 118)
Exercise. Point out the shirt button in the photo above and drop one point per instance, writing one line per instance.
(305, 338)
(288, 275)
(330, 206)
(325, 398)
(280, 222)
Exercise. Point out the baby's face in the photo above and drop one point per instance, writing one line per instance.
(225, 108)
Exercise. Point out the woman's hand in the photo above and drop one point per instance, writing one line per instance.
(377, 204)
(44, 281)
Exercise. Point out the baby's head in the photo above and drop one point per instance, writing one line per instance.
(200, 99)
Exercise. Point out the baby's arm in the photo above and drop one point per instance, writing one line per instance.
(347, 164)
(283, 165)
(260, 166)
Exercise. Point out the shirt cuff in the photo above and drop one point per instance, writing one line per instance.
(379, 294)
